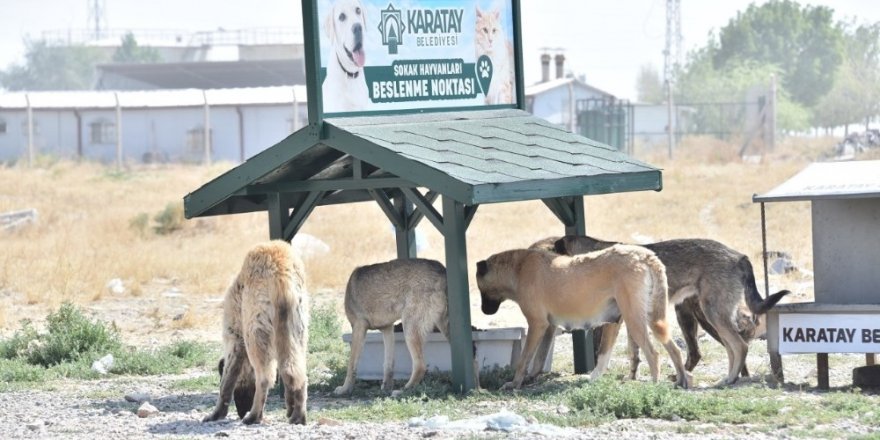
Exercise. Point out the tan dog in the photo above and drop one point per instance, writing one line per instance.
(265, 328)
(412, 291)
(710, 284)
(580, 291)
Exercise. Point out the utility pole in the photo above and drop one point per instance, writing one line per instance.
(672, 56)
(97, 18)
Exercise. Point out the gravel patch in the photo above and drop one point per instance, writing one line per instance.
(107, 409)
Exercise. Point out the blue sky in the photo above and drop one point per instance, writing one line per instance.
(604, 40)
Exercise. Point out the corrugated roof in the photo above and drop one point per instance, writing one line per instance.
(213, 74)
(91, 99)
(828, 180)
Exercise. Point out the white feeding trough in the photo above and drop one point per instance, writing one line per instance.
(496, 348)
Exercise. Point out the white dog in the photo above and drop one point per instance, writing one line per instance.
(345, 88)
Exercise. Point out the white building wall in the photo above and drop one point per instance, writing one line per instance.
(557, 104)
(151, 133)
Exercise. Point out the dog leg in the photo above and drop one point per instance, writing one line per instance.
(542, 353)
(737, 350)
(358, 334)
(661, 333)
(688, 325)
(633, 352)
(388, 362)
(536, 332)
(415, 333)
(295, 394)
(231, 369)
(259, 351)
(606, 346)
(295, 381)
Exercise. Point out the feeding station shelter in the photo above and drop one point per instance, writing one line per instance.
(845, 315)
(437, 119)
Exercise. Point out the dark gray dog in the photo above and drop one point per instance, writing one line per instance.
(707, 282)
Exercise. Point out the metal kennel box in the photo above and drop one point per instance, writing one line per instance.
(845, 314)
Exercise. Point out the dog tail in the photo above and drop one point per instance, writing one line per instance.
(659, 287)
(756, 304)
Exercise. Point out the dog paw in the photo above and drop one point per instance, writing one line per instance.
(396, 393)
(297, 419)
(512, 385)
(251, 419)
(341, 391)
(214, 416)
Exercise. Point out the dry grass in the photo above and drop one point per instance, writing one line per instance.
(91, 226)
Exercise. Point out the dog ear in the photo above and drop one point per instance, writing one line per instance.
(330, 26)
(482, 268)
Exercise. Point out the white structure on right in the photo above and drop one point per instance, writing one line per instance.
(845, 314)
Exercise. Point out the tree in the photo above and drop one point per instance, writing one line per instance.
(855, 96)
(130, 52)
(649, 86)
(802, 41)
(701, 82)
(49, 67)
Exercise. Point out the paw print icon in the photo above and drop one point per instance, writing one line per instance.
(485, 69)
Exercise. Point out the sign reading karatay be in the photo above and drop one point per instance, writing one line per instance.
(392, 55)
(822, 333)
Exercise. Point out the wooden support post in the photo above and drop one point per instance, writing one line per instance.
(460, 337)
(822, 370)
(870, 359)
(583, 347)
(404, 234)
(278, 216)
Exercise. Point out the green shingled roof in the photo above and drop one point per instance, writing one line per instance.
(474, 157)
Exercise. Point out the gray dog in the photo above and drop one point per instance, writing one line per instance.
(708, 282)
(412, 291)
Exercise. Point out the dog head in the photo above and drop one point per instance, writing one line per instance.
(345, 26)
(491, 290)
(245, 387)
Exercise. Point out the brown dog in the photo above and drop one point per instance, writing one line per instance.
(580, 291)
(710, 284)
(265, 328)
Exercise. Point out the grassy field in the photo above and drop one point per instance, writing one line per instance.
(96, 224)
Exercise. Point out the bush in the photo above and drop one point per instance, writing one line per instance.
(631, 400)
(170, 219)
(170, 359)
(18, 370)
(17, 345)
(328, 354)
(72, 336)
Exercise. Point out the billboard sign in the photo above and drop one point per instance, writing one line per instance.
(391, 56)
